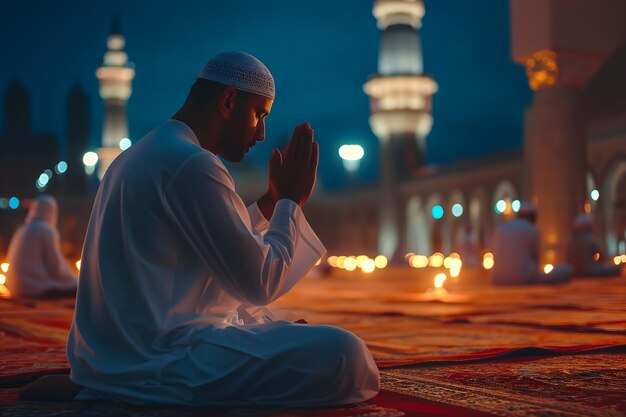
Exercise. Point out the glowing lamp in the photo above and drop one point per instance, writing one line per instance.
(455, 268)
(437, 212)
(548, 268)
(90, 159)
(488, 261)
(360, 259)
(349, 264)
(595, 195)
(500, 206)
(368, 266)
(4, 267)
(439, 280)
(436, 260)
(516, 205)
(380, 261)
(351, 156)
(596, 256)
(617, 260)
(61, 167)
(14, 202)
(332, 261)
(457, 210)
(3, 279)
(78, 264)
(419, 261)
(125, 143)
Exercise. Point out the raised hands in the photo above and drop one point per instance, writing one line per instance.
(293, 172)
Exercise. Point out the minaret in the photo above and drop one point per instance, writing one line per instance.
(115, 76)
(400, 105)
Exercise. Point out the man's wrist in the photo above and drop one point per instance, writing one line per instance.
(266, 204)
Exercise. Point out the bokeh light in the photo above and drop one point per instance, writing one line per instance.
(437, 212)
(14, 202)
(439, 280)
(380, 261)
(61, 167)
(90, 159)
(351, 152)
(125, 143)
(368, 266)
(457, 210)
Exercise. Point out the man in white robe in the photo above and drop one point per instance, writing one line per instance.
(516, 253)
(172, 253)
(583, 252)
(37, 267)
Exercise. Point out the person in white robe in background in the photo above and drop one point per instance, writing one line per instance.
(37, 267)
(516, 253)
(174, 266)
(583, 252)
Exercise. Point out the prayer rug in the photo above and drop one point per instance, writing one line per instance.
(470, 351)
(590, 385)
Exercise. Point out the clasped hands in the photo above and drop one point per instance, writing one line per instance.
(292, 172)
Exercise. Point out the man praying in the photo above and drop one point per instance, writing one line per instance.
(37, 267)
(174, 262)
(516, 252)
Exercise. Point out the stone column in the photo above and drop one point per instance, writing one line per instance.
(555, 165)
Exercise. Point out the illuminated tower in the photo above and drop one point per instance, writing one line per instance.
(115, 76)
(400, 105)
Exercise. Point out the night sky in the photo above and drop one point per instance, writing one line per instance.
(320, 53)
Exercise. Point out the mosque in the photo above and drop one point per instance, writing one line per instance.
(574, 156)
(573, 159)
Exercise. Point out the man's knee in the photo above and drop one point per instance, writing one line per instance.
(342, 349)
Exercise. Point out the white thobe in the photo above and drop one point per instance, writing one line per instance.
(171, 252)
(36, 260)
(516, 256)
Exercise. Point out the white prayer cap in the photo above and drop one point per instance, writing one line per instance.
(527, 208)
(240, 70)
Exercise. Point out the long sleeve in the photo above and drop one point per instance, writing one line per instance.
(257, 220)
(253, 268)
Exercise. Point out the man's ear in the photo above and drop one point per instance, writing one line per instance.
(227, 101)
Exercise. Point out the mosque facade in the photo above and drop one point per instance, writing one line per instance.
(573, 160)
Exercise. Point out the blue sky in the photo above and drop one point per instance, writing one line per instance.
(320, 52)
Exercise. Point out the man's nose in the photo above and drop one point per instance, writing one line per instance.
(260, 131)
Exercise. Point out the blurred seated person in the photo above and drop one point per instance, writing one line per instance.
(37, 266)
(583, 253)
(516, 253)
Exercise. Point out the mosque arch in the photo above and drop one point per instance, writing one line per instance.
(613, 195)
(458, 215)
(479, 219)
(506, 191)
(418, 228)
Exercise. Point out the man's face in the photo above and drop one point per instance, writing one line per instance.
(245, 126)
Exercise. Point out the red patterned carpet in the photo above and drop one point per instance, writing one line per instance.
(473, 351)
